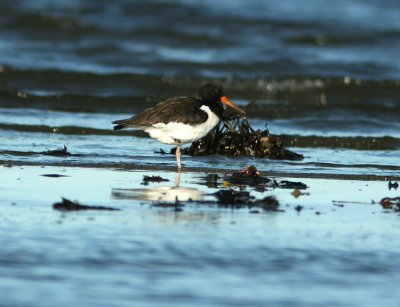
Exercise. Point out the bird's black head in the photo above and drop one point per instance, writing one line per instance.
(211, 92)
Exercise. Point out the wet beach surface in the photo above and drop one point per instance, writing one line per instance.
(301, 254)
(325, 77)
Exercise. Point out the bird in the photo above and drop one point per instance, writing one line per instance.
(182, 120)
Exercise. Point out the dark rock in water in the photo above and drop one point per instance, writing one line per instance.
(147, 179)
(249, 175)
(235, 137)
(68, 205)
(60, 152)
(285, 184)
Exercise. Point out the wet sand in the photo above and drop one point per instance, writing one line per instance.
(192, 169)
(52, 181)
(147, 253)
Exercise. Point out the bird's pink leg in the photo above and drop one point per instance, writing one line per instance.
(178, 157)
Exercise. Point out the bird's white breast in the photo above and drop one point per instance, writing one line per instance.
(179, 133)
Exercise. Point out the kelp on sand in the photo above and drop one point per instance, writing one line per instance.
(235, 137)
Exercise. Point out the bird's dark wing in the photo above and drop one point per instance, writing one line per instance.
(184, 110)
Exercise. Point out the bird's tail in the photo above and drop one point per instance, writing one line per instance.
(120, 124)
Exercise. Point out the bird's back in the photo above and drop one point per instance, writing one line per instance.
(185, 110)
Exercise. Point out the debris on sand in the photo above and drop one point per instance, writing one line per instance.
(298, 208)
(285, 184)
(249, 175)
(391, 203)
(161, 152)
(235, 137)
(60, 152)
(158, 179)
(53, 175)
(297, 193)
(68, 205)
(393, 185)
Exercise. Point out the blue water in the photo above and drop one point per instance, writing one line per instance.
(201, 256)
(323, 73)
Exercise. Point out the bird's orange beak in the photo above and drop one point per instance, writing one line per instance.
(229, 103)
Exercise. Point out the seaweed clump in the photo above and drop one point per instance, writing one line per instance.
(59, 152)
(147, 179)
(68, 205)
(391, 203)
(249, 175)
(235, 137)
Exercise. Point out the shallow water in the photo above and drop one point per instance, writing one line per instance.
(147, 255)
(324, 75)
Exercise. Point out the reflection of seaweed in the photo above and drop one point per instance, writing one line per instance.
(237, 199)
(235, 137)
(241, 199)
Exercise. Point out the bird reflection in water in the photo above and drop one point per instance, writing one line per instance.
(159, 193)
(178, 178)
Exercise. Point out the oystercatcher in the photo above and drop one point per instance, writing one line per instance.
(182, 120)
